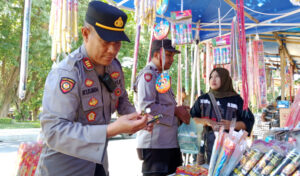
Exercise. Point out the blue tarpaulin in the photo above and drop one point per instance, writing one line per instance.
(263, 10)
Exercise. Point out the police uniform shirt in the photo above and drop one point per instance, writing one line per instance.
(164, 134)
(76, 110)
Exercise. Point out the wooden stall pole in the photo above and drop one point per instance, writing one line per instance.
(282, 71)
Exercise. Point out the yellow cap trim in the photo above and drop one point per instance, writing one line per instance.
(109, 28)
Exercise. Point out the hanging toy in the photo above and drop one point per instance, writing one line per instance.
(161, 6)
(163, 81)
(161, 29)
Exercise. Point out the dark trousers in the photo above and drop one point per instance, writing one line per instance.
(99, 171)
(160, 162)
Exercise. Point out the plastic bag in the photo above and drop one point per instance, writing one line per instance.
(187, 138)
(28, 158)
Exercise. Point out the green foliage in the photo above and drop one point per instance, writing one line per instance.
(26, 124)
(5, 120)
(39, 63)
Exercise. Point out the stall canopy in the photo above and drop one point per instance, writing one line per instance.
(261, 16)
(266, 15)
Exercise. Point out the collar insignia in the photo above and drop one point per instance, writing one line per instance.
(87, 63)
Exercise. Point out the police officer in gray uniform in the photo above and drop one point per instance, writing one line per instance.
(159, 150)
(80, 95)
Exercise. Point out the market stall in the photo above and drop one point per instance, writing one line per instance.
(240, 36)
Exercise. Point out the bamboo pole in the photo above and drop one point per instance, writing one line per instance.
(233, 5)
(282, 71)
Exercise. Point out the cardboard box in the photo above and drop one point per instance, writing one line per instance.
(284, 113)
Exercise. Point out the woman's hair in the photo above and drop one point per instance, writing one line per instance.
(226, 88)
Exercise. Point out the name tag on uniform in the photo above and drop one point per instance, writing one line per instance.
(89, 91)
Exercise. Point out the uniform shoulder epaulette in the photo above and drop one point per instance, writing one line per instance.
(117, 62)
(69, 62)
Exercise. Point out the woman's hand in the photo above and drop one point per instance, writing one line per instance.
(225, 124)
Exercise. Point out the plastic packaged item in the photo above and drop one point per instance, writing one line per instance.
(288, 159)
(291, 167)
(262, 163)
(297, 172)
(191, 170)
(28, 158)
(235, 158)
(187, 138)
(252, 161)
(216, 150)
(274, 162)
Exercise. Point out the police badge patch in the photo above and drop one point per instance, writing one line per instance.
(148, 77)
(66, 84)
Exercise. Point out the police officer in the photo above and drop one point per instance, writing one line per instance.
(80, 95)
(159, 150)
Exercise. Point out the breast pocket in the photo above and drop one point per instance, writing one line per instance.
(114, 103)
(165, 99)
(92, 106)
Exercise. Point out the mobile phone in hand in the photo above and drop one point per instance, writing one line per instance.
(155, 118)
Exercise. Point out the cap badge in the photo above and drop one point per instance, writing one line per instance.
(118, 92)
(89, 82)
(148, 77)
(115, 75)
(119, 22)
(87, 63)
(91, 116)
(93, 102)
(66, 84)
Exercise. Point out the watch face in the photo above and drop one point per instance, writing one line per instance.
(161, 6)
(163, 82)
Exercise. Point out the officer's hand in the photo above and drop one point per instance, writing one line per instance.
(183, 114)
(150, 126)
(130, 123)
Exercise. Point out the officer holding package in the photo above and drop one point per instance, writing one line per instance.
(80, 95)
(159, 150)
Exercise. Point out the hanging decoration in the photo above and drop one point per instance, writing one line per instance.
(161, 6)
(295, 2)
(222, 55)
(258, 56)
(179, 78)
(163, 81)
(235, 52)
(25, 49)
(242, 46)
(294, 116)
(161, 29)
(181, 27)
(145, 11)
(186, 68)
(63, 26)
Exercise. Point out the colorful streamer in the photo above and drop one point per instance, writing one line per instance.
(136, 52)
(242, 45)
(258, 50)
(63, 26)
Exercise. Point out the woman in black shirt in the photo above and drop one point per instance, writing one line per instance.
(229, 103)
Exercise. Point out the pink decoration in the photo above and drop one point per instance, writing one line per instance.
(243, 48)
